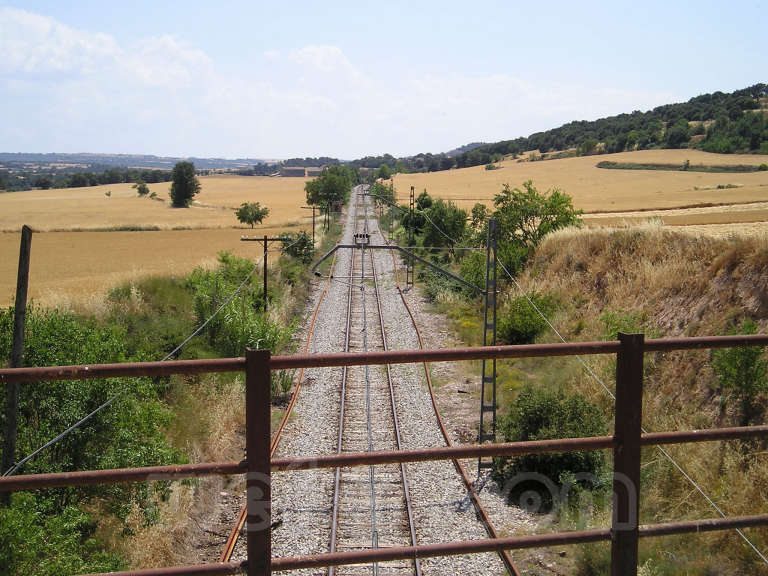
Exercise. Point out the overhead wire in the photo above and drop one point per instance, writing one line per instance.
(592, 373)
(56, 439)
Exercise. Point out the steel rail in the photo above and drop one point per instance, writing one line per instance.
(234, 534)
(136, 369)
(395, 419)
(482, 514)
(342, 406)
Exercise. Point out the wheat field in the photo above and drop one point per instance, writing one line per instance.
(91, 209)
(597, 190)
(81, 267)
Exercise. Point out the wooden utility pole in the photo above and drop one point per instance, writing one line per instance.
(266, 251)
(266, 240)
(17, 352)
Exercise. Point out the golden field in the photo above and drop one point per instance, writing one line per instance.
(90, 208)
(79, 267)
(597, 190)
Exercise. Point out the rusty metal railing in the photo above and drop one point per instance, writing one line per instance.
(625, 443)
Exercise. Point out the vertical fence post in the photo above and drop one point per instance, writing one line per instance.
(257, 440)
(17, 352)
(626, 455)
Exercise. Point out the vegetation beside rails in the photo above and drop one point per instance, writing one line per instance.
(591, 284)
(685, 167)
(155, 421)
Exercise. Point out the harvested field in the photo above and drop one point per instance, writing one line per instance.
(80, 267)
(90, 209)
(598, 190)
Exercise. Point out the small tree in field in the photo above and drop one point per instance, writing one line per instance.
(251, 213)
(141, 188)
(184, 185)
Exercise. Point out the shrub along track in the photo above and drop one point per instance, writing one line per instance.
(441, 497)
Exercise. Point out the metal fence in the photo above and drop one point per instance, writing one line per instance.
(626, 444)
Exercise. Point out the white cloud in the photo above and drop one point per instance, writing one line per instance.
(66, 89)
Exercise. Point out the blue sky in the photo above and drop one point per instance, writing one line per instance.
(347, 79)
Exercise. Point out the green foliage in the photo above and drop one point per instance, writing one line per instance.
(184, 184)
(130, 434)
(251, 213)
(384, 172)
(526, 216)
(423, 201)
(240, 324)
(593, 560)
(382, 194)
(626, 321)
(448, 222)
(333, 185)
(141, 188)
(472, 269)
(298, 246)
(542, 415)
(58, 545)
(763, 167)
(492, 167)
(677, 136)
(519, 323)
(743, 373)
(479, 216)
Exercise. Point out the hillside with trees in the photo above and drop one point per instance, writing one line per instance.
(719, 122)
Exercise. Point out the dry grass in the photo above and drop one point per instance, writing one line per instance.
(89, 208)
(598, 190)
(681, 285)
(74, 268)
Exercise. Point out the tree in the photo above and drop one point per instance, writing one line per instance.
(743, 372)
(384, 172)
(448, 223)
(184, 184)
(538, 414)
(333, 185)
(526, 216)
(251, 213)
(141, 188)
(298, 246)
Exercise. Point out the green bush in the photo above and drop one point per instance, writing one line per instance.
(298, 246)
(762, 167)
(743, 372)
(541, 415)
(241, 324)
(57, 545)
(519, 323)
(472, 270)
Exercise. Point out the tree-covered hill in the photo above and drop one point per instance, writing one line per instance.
(717, 122)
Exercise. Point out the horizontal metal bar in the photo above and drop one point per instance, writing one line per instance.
(669, 344)
(117, 475)
(193, 570)
(444, 549)
(177, 472)
(707, 435)
(133, 369)
(706, 525)
(442, 453)
(457, 547)
(123, 369)
(443, 355)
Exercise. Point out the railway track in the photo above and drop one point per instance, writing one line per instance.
(370, 507)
